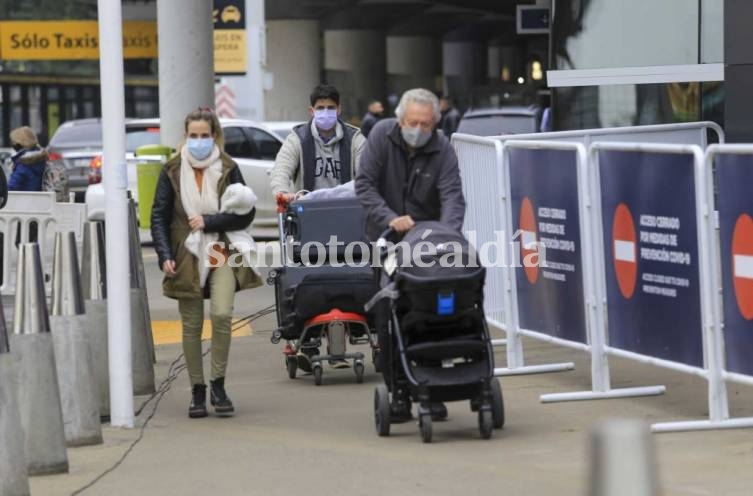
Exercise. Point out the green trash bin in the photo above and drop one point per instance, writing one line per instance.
(151, 158)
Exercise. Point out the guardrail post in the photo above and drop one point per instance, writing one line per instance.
(36, 376)
(78, 385)
(94, 278)
(14, 478)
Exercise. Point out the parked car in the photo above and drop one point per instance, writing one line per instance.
(77, 144)
(252, 145)
(281, 128)
(503, 120)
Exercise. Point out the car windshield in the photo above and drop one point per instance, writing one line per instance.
(138, 136)
(495, 125)
(80, 135)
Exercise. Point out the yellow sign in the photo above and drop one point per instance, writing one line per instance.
(230, 52)
(71, 40)
(79, 40)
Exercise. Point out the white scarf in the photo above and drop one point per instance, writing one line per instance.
(196, 203)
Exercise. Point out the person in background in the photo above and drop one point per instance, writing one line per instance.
(322, 153)
(373, 115)
(29, 161)
(185, 223)
(409, 173)
(450, 116)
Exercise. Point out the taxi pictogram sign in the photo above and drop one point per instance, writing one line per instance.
(742, 265)
(528, 240)
(625, 250)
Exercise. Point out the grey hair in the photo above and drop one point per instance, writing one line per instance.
(422, 97)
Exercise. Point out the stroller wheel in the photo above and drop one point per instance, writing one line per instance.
(382, 410)
(498, 404)
(318, 374)
(291, 363)
(485, 423)
(358, 368)
(424, 423)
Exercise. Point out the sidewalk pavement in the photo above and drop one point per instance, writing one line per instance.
(292, 437)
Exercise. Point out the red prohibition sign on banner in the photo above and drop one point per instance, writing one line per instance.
(742, 265)
(624, 250)
(528, 239)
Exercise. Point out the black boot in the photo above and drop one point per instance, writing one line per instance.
(219, 399)
(198, 406)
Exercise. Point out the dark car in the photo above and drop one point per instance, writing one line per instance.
(499, 121)
(78, 145)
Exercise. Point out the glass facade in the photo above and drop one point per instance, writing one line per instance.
(615, 34)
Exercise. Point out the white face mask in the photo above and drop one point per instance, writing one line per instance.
(415, 137)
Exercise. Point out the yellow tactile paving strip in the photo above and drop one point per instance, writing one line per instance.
(169, 331)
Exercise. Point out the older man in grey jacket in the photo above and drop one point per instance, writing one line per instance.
(322, 153)
(408, 173)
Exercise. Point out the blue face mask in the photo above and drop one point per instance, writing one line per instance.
(325, 119)
(200, 148)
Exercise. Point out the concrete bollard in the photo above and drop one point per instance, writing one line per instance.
(35, 370)
(73, 356)
(623, 462)
(14, 478)
(142, 343)
(94, 279)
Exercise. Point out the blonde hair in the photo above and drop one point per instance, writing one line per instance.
(207, 115)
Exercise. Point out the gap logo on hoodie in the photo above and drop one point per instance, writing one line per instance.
(327, 167)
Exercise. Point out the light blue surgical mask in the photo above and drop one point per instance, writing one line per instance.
(325, 119)
(200, 148)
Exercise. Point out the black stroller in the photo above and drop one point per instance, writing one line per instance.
(322, 302)
(437, 329)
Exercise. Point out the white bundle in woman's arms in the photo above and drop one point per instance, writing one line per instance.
(237, 199)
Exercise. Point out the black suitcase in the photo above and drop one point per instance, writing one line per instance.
(316, 221)
(303, 292)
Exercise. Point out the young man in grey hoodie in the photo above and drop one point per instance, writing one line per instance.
(322, 153)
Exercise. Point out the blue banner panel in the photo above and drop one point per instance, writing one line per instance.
(651, 253)
(544, 187)
(734, 177)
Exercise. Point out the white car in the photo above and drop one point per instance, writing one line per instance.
(252, 145)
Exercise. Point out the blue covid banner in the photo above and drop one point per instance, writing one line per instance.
(734, 177)
(544, 203)
(651, 253)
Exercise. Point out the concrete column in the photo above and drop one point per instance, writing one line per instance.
(186, 63)
(356, 62)
(464, 65)
(413, 62)
(294, 67)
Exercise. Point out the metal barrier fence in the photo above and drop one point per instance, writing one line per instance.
(479, 160)
(650, 294)
(482, 170)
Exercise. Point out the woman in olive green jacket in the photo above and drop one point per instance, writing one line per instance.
(189, 234)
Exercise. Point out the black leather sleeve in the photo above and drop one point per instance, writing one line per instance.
(162, 217)
(229, 222)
